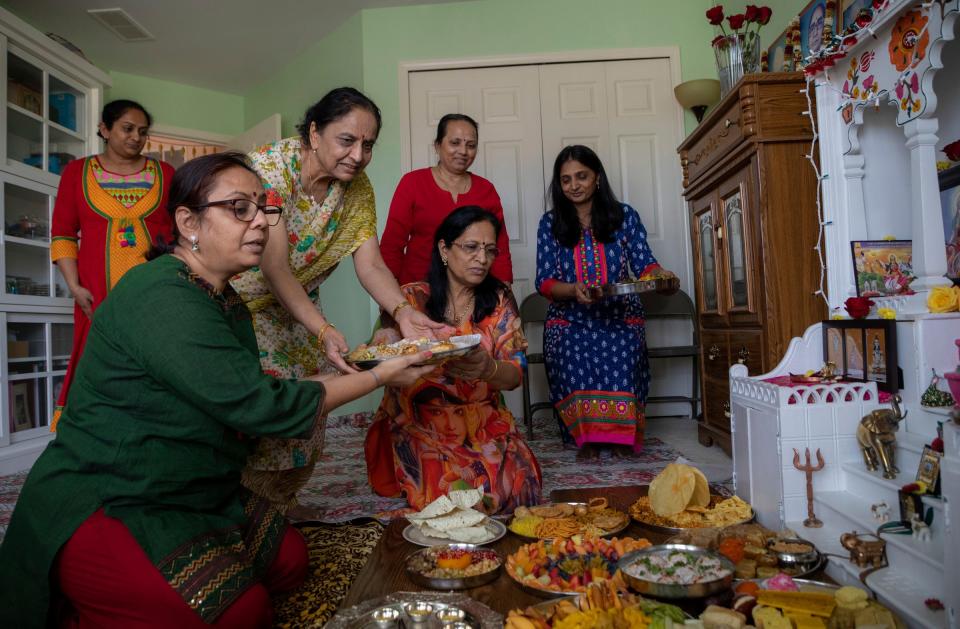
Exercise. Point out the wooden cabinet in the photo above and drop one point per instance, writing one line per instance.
(751, 194)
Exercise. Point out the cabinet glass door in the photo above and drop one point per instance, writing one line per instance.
(24, 112)
(27, 210)
(739, 284)
(708, 261)
(736, 250)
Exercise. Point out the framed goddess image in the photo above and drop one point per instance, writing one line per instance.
(950, 207)
(882, 267)
(863, 350)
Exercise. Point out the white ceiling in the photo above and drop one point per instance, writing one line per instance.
(225, 45)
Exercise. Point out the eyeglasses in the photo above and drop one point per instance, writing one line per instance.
(246, 210)
(473, 248)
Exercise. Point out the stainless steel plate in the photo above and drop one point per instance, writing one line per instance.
(673, 530)
(610, 533)
(638, 286)
(413, 535)
(674, 590)
(451, 583)
(361, 616)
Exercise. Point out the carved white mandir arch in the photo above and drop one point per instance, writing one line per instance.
(892, 63)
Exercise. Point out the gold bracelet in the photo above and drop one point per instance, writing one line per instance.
(323, 332)
(496, 366)
(398, 308)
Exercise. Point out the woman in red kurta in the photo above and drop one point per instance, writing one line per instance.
(116, 203)
(426, 196)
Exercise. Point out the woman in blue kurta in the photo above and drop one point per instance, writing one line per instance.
(594, 348)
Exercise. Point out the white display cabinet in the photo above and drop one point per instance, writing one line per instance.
(51, 103)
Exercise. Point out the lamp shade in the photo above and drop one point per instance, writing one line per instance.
(697, 95)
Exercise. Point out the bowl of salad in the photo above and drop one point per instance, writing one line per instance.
(676, 571)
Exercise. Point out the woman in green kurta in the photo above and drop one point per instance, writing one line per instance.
(167, 401)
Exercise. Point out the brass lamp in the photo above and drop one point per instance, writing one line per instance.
(697, 95)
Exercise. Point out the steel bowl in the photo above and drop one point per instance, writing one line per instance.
(802, 561)
(451, 583)
(674, 590)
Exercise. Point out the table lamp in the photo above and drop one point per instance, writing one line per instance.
(697, 95)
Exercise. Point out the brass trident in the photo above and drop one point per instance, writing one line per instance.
(811, 522)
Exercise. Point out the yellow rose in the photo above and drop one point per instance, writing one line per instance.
(943, 299)
(886, 313)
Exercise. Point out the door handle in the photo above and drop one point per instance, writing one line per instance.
(726, 410)
(743, 355)
(713, 353)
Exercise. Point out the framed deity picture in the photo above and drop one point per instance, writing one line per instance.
(776, 53)
(928, 472)
(812, 20)
(21, 406)
(950, 207)
(850, 9)
(863, 350)
(910, 505)
(882, 267)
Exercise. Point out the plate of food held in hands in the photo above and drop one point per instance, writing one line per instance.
(565, 519)
(453, 518)
(679, 498)
(368, 357)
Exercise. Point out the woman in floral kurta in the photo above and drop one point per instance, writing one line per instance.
(594, 348)
(448, 428)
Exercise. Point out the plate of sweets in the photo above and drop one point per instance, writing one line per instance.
(557, 567)
(453, 566)
(453, 518)
(602, 604)
(782, 602)
(369, 356)
(565, 519)
(679, 498)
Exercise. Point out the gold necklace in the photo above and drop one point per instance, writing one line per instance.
(462, 182)
(452, 309)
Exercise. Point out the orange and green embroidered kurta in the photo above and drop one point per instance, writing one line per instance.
(118, 217)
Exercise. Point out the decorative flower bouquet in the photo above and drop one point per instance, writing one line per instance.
(737, 50)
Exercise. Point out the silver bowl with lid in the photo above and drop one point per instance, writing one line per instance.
(797, 558)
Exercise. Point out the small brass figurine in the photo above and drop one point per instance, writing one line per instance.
(863, 551)
(877, 440)
(812, 522)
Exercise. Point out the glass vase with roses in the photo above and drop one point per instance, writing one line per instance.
(737, 49)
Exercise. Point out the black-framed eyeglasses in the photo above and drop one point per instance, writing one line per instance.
(246, 210)
(473, 248)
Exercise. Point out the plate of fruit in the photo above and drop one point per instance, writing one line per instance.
(562, 566)
(453, 566)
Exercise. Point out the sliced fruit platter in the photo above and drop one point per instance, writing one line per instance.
(601, 605)
(561, 566)
(564, 519)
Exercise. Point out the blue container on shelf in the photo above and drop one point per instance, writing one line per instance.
(58, 161)
(63, 109)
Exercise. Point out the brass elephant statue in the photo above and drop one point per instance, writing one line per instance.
(864, 552)
(877, 440)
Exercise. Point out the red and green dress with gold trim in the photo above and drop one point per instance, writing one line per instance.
(596, 354)
(118, 217)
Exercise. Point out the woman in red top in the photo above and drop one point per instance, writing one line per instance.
(117, 202)
(426, 196)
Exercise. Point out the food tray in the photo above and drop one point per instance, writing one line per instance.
(673, 530)
(546, 607)
(639, 286)
(413, 535)
(452, 583)
(360, 616)
(609, 533)
(463, 344)
(675, 590)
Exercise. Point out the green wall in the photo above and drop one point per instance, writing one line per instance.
(179, 105)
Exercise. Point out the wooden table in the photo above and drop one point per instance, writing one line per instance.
(384, 571)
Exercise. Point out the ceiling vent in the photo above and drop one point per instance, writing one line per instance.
(121, 24)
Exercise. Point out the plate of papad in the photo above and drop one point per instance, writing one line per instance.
(565, 519)
(368, 357)
(679, 498)
(601, 605)
(453, 518)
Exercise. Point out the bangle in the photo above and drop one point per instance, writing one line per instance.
(398, 308)
(496, 366)
(323, 332)
(376, 379)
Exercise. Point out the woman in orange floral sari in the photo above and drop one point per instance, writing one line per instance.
(451, 427)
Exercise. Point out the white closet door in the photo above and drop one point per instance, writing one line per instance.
(505, 102)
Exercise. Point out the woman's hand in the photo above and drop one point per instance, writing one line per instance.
(583, 294)
(414, 325)
(660, 273)
(403, 370)
(84, 299)
(473, 366)
(385, 336)
(334, 347)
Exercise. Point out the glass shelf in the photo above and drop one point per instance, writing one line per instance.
(66, 107)
(26, 215)
(27, 269)
(24, 138)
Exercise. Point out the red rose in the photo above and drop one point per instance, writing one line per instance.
(937, 445)
(953, 151)
(736, 21)
(715, 15)
(877, 4)
(751, 12)
(763, 15)
(858, 307)
(910, 488)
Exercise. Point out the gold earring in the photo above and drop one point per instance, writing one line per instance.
(444, 260)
